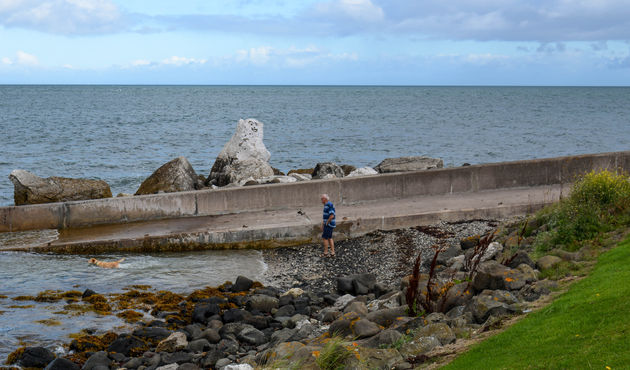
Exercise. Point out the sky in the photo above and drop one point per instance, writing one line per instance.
(312, 42)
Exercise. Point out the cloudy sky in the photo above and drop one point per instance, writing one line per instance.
(373, 42)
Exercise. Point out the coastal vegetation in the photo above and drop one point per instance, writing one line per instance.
(599, 202)
(586, 326)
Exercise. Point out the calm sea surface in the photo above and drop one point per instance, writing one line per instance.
(121, 134)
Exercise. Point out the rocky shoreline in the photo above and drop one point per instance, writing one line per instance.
(355, 304)
(387, 254)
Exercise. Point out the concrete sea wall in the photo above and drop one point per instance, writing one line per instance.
(538, 172)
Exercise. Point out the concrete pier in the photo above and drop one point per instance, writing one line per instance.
(285, 214)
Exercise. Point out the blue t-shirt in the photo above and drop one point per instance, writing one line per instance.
(329, 209)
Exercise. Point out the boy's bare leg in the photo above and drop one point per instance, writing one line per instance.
(332, 247)
(325, 247)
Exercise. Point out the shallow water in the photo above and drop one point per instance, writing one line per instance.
(30, 273)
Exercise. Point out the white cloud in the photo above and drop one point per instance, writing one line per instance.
(291, 57)
(180, 61)
(6, 61)
(26, 59)
(260, 55)
(62, 16)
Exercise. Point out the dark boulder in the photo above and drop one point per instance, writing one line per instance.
(62, 364)
(176, 175)
(35, 357)
(242, 284)
(326, 170)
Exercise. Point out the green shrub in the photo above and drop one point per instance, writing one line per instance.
(598, 202)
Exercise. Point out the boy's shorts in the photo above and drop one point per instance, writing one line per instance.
(327, 234)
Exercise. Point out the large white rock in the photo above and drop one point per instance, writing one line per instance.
(244, 156)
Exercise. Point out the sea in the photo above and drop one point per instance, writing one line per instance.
(121, 134)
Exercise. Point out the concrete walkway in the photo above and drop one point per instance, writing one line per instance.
(296, 226)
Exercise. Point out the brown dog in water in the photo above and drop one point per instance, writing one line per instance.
(107, 265)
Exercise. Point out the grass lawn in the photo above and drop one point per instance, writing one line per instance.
(588, 327)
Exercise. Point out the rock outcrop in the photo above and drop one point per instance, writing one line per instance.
(327, 170)
(176, 175)
(404, 164)
(29, 188)
(244, 156)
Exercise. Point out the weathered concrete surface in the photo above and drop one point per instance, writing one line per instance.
(344, 191)
(264, 229)
(267, 215)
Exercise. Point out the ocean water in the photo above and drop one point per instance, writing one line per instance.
(121, 134)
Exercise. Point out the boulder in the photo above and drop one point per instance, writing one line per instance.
(293, 292)
(548, 262)
(521, 258)
(126, 344)
(242, 284)
(29, 188)
(418, 346)
(357, 307)
(363, 171)
(441, 331)
(383, 358)
(387, 316)
(176, 175)
(262, 303)
(37, 357)
(243, 156)
(385, 338)
(251, 336)
(175, 342)
(404, 164)
(97, 360)
(364, 329)
(179, 357)
(493, 275)
(492, 303)
(198, 345)
(203, 311)
(152, 333)
(62, 364)
(492, 251)
(322, 170)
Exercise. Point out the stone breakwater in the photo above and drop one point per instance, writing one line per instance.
(243, 161)
(358, 298)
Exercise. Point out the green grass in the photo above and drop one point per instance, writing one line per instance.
(588, 327)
